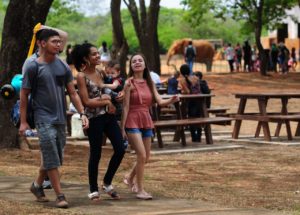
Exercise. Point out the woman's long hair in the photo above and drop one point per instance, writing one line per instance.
(146, 73)
(79, 53)
(185, 71)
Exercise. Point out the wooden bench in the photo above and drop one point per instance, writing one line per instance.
(217, 110)
(192, 121)
(274, 117)
(209, 110)
(286, 119)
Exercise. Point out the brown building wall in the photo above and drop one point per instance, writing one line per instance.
(290, 43)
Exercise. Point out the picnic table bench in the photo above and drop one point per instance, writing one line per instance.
(214, 110)
(181, 119)
(263, 117)
(191, 121)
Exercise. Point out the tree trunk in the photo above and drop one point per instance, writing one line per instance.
(146, 30)
(120, 46)
(19, 21)
(258, 28)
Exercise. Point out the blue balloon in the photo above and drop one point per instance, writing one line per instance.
(16, 82)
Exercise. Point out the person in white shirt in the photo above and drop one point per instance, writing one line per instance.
(229, 53)
(155, 78)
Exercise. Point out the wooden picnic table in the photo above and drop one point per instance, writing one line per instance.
(262, 116)
(181, 114)
(164, 90)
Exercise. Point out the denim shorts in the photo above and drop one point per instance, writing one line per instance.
(52, 139)
(145, 132)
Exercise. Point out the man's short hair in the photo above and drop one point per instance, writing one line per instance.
(38, 33)
(45, 34)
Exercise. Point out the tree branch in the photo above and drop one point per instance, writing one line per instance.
(126, 3)
(135, 18)
(143, 14)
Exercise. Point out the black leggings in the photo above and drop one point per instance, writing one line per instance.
(106, 123)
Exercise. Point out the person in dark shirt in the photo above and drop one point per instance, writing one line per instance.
(204, 87)
(173, 84)
(247, 56)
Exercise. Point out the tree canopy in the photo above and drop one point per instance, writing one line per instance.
(256, 15)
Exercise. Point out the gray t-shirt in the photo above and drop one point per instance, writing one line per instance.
(49, 103)
(29, 60)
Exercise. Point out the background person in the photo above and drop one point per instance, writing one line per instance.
(204, 87)
(155, 78)
(229, 54)
(247, 56)
(173, 84)
(190, 55)
(190, 84)
(104, 53)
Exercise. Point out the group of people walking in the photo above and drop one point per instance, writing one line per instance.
(97, 111)
(235, 55)
(278, 56)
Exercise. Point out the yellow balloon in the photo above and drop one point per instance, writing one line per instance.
(37, 27)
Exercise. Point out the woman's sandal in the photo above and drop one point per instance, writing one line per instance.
(144, 196)
(131, 186)
(110, 191)
(94, 196)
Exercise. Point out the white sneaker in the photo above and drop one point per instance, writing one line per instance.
(47, 184)
(94, 196)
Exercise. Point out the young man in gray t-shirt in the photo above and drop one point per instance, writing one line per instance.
(52, 77)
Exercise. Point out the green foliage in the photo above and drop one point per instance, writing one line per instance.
(64, 15)
(3, 6)
(173, 24)
(273, 11)
(62, 10)
(2, 14)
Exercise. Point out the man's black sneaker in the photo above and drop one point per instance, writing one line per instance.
(38, 192)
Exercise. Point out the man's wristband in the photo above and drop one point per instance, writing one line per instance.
(82, 114)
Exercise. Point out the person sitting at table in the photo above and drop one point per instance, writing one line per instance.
(190, 84)
(173, 84)
(204, 87)
(156, 79)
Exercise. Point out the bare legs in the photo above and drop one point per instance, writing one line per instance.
(53, 176)
(142, 147)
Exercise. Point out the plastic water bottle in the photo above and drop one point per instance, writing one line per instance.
(125, 144)
(29, 133)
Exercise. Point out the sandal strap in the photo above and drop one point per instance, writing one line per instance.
(114, 194)
(108, 188)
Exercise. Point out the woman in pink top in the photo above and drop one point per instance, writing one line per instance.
(136, 124)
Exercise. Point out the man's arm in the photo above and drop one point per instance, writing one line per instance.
(75, 99)
(23, 110)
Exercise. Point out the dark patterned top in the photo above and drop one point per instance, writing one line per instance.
(94, 91)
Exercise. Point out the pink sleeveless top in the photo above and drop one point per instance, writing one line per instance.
(140, 103)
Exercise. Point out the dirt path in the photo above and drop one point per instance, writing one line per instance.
(260, 176)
